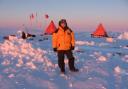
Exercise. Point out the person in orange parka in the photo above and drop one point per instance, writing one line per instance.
(63, 42)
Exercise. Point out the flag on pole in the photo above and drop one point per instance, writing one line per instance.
(32, 16)
(46, 16)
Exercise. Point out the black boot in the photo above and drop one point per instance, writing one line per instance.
(71, 65)
(62, 71)
(74, 70)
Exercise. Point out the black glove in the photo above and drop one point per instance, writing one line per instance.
(72, 47)
(54, 49)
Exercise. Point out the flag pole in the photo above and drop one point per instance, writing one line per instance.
(46, 19)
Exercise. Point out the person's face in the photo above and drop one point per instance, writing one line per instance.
(63, 25)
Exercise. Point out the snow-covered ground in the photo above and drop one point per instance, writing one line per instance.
(32, 64)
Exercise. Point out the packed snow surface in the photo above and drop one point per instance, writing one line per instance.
(32, 64)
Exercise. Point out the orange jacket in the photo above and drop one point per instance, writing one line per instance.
(63, 40)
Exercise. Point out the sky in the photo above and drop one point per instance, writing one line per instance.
(81, 15)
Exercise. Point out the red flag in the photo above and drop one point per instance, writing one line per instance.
(46, 16)
(31, 16)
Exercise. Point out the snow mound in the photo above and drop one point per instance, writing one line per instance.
(99, 57)
(118, 70)
(85, 43)
(102, 58)
(109, 39)
(123, 36)
(20, 53)
(125, 58)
